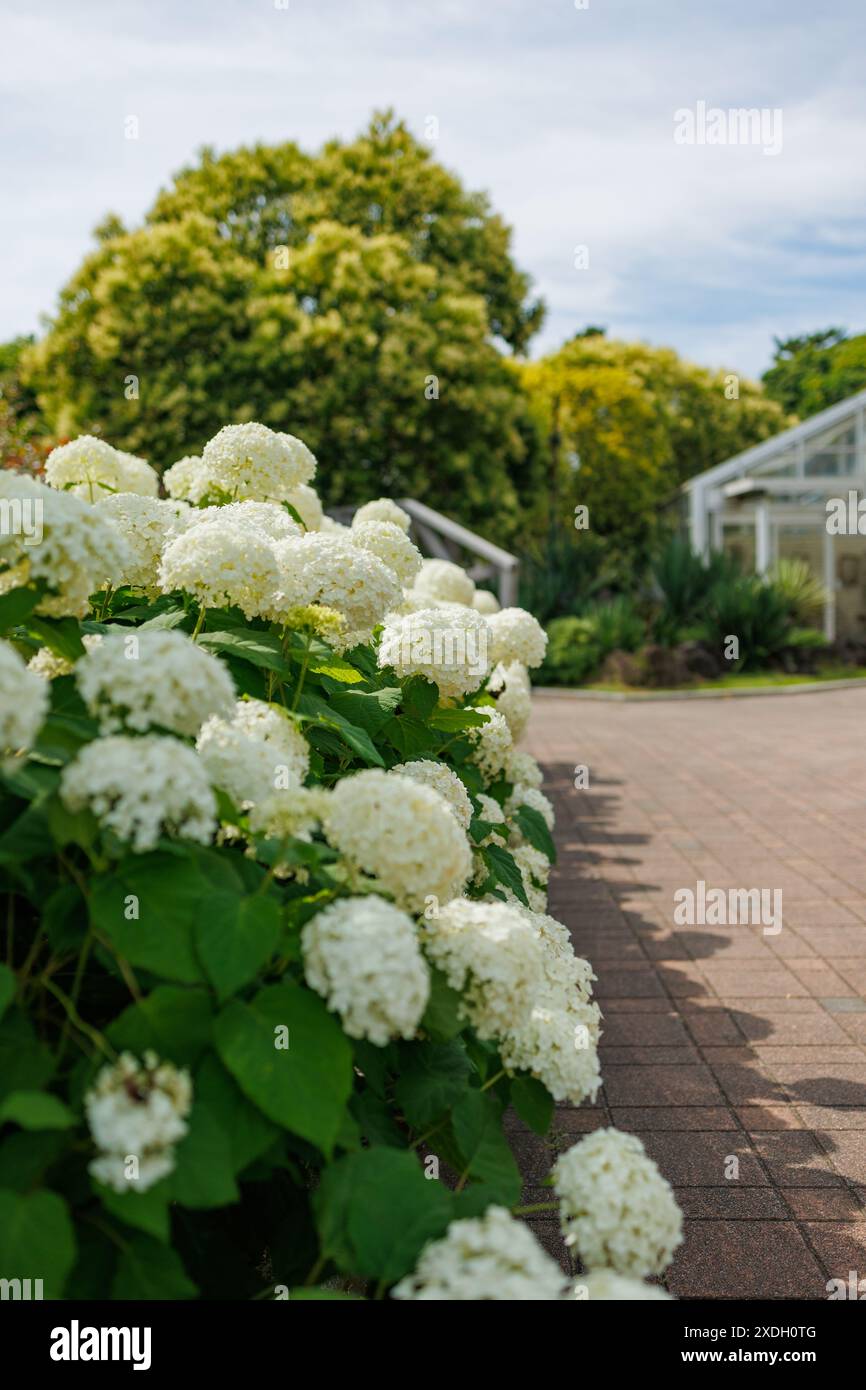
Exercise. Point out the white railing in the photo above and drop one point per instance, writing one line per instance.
(443, 539)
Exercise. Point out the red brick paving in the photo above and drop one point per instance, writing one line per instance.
(721, 1042)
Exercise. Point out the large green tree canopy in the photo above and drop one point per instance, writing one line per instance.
(815, 371)
(628, 423)
(352, 297)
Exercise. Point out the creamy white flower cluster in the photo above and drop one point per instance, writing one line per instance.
(23, 703)
(393, 547)
(142, 788)
(509, 685)
(383, 509)
(523, 987)
(446, 646)
(517, 636)
(330, 569)
(442, 581)
(149, 678)
(362, 955)
(222, 563)
(616, 1208)
(146, 524)
(252, 461)
(91, 468)
(400, 833)
(137, 1113)
(485, 1258)
(444, 781)
(185, 481)
(256, 754)
(58, 539)
(492, 744)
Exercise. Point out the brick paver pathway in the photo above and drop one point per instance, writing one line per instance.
(722, 1042)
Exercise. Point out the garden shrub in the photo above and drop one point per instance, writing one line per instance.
(577, 646)
(277, 951)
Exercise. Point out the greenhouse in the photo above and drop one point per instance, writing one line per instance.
(791, 497)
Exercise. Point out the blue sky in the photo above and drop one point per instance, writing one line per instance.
(565, 115)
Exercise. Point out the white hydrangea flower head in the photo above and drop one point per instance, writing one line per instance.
(147, 524)
(513, 694)
(522, 769)
(443, 780)
(448, 648)
(383, 509)
(48, 665)
(616, 1208)
(153, 678)
(444, 581)
(282, 817)
(485, 1258)
(568, 976)
(267, 519)
(137, 1110)
(491, 811)
(68, 544)
(536, 801)
(492, 744)
(401, 833)
(333, 527)
(87, 467)
(186, 480)
(142, 788)
(534, 869)
(137, 476)
(252, 461)
(391, 544)
(24, 702)
(331, 570)
(221, 563)
(558, 1046)
(256, 754)
(308, 505)
(606, 1286)
(489, 951)
(362, 956)
(483, 601)
(517, 636)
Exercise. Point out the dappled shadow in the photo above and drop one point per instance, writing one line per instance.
(697, 1089)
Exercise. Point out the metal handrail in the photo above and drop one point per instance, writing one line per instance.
(444, 539)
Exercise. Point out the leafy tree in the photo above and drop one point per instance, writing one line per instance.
(810, 373)
(385, 181)
(352, 298)
(626, 424)
(21, 429)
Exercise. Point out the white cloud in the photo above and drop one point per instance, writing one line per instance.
(565, 116)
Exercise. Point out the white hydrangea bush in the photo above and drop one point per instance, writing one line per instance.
(281, 944)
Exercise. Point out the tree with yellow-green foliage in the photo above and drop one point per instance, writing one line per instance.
(626, 424)
(350, 297)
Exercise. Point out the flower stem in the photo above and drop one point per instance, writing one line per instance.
(493, 1080)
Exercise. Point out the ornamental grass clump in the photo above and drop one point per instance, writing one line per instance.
(277, 951)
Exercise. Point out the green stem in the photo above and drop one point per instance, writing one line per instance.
(493, 1080)
(71, 1011)
(315, 1271)
(198, 622)
(73, 1017)
(302, 676)
(105, 602)
(31, 956)
(10, 930)
(533, 1207)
